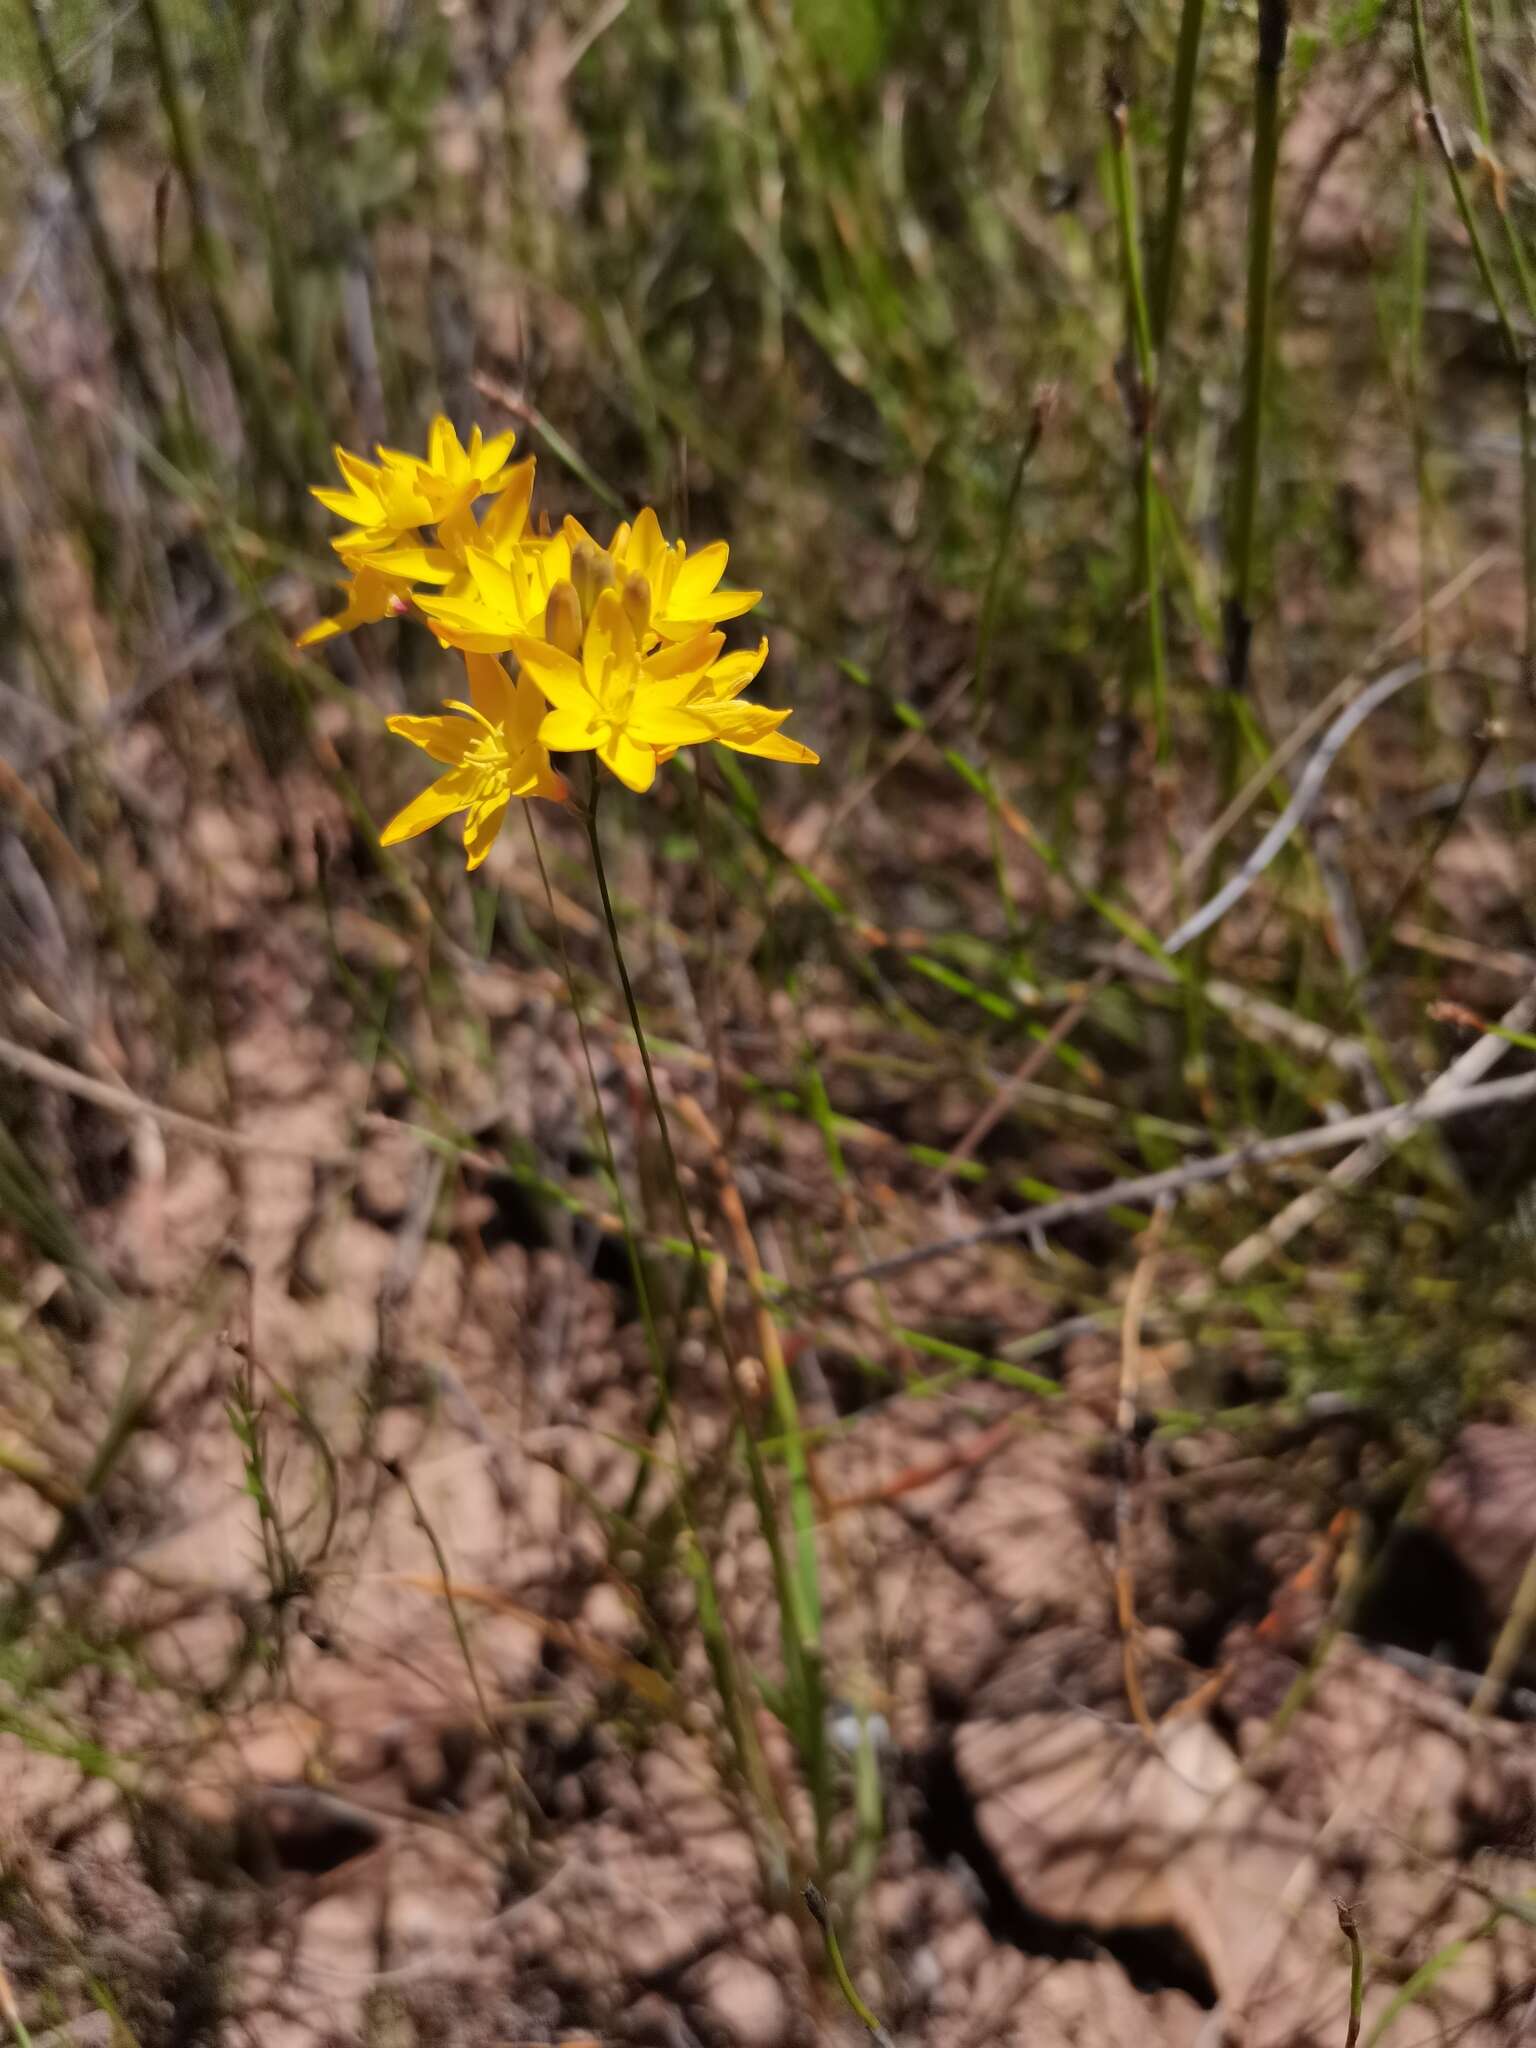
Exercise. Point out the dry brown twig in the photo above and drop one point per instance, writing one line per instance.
(1127, 1411)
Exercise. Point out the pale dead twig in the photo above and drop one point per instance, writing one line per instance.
(1357, 707)
(1308, 788)
(1432, 1107)
(123, 1102)
(1450, 946)
(1340, 694)
(1460, 1076)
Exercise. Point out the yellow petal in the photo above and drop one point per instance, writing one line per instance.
(687, 660)
(634, 765)
(773, 746)
(696, 578)
(568, 731)
(525, 714)
(445, 739)
(464, 623)
(504, 595)
(722, 604)
(490, 688)
(481, 827)
(507, 520)
(608, 652)
(664, 725)
(443, 450)
(492, 454)
(646, 544)
(558, 675)
(415, 564)
(324, 629)
(729, 676)
(439, 800)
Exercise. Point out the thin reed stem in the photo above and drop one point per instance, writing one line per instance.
(245, 370)
(717, 1645)
(1527, 283)
(1274, 31)
(1165, 277)
(1141, 403)
(798, 1599)
(1435, 122)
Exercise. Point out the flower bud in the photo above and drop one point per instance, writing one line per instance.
(562, 619)
(636, 598)
(592, 573)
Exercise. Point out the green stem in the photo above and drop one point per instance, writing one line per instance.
(821, 1914)
(1274, 29)
(1165, 280)
(1527, 283)
(800, 1618)
(1143, 409)
(1435, 122)
(722, 1661)
(211, 254)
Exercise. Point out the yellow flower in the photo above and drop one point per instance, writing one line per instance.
(453, 476)
(371, 596)
(493, 753)
(390, 498)
(684, 599)
(630, 706)
(504, 591)
(745, 728)
(501, 534)
(382, 500)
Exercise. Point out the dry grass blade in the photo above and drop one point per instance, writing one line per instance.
(609, 1663)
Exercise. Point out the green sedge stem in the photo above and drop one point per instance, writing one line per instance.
(799, 1620)
(722, 1663)
(1274, 31)
(1143, 410)
(1165, 280)
(821, 1914)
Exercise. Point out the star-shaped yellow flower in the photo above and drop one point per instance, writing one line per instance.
(453, 476)
(628, 706)
(493, 753)
(502, 534)
(685, 599)
(388, 499)
(744, 728)
(504, 591)
(371, 595)
(381, 501)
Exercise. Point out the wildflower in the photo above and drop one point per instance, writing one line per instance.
(493, 752)
(684, 598)
(371, 595)
(502, 534)
(744, 728)
(389, 499)
(453, 476)
(503, 591)
(628, 706)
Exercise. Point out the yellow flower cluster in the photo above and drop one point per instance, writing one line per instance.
(617, 647)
